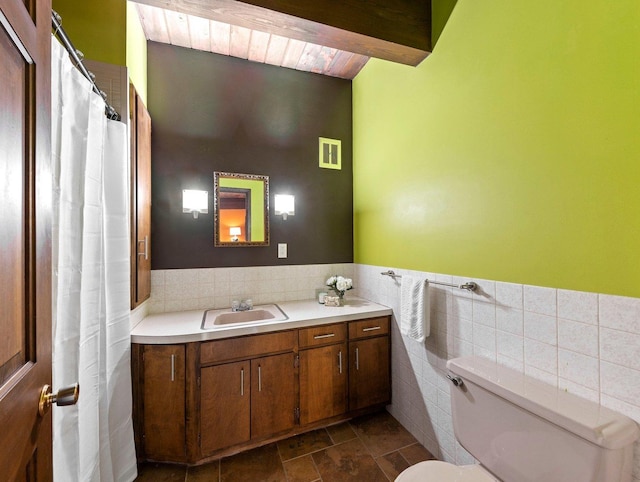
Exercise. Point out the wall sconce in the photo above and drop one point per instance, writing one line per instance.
(194, 201)
(235, 231)
(284, 204)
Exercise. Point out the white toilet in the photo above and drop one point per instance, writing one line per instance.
(523, 430)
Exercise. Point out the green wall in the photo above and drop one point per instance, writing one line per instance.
(512, 152)
(136, 52)
(97, 28)
(440, 13)
(107, 31)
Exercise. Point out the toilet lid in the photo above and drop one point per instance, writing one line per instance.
(436, 470)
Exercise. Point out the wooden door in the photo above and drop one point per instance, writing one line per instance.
(140, 199)
(323, 382)
(369, 373)
(273, 398)
(225, 406)
(25, 238)
(164, 401)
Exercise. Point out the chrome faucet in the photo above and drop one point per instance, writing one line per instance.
(243, 305)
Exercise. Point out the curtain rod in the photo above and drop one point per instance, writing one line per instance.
(76, 57)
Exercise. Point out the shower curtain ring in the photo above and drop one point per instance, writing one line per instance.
(58, 20)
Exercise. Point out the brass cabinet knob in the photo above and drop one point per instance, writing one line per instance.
(65, 396)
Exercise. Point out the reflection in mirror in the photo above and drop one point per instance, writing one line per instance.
(241, 209)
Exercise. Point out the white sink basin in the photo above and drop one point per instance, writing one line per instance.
(263, 313)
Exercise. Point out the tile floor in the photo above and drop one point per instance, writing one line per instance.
(366, 449)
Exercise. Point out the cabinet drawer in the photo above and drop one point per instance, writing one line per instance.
(246, 347)
(322, 335)
(370, 327)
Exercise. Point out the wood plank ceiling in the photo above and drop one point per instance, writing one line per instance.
(191, 31)
(330, 37)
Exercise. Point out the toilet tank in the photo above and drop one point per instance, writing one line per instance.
(522, 430)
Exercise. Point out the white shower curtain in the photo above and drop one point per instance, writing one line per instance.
(92, 441)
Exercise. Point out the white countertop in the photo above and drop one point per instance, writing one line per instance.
(185, 326)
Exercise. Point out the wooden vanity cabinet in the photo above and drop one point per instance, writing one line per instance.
(225, 405)
(201, 400)
(164, 402)
(247, 399)
(323, 372)
(369, 363)
(273, 400)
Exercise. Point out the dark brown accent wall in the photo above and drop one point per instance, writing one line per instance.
(216, 113)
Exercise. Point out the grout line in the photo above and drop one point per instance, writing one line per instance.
(307, 453)
(316, 467)
(400, 448)
(280, 455)
(375, 460)
(282, 461)
(405, 459)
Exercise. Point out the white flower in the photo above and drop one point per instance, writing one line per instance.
(340, 284)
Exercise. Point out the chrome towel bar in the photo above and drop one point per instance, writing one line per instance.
(469, 285)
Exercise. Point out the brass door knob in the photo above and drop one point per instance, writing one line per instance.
(65, 396)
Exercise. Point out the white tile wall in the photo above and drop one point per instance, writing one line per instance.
(585, 343)
(195, 289)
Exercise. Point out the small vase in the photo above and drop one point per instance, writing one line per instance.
(340, 297)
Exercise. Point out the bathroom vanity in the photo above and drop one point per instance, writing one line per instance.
(200, 394)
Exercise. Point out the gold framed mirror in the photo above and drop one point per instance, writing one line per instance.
(241, 209)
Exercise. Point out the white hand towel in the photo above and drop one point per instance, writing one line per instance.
(414, 308)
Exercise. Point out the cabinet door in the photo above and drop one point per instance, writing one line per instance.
(140, 200)
(369, 381)
(272, 394)
(225, 406)
(323, 383)
(164, 402)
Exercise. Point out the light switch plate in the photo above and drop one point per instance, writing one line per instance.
(282, 250)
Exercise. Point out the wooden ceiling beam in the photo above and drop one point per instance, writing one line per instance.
(395, 30)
